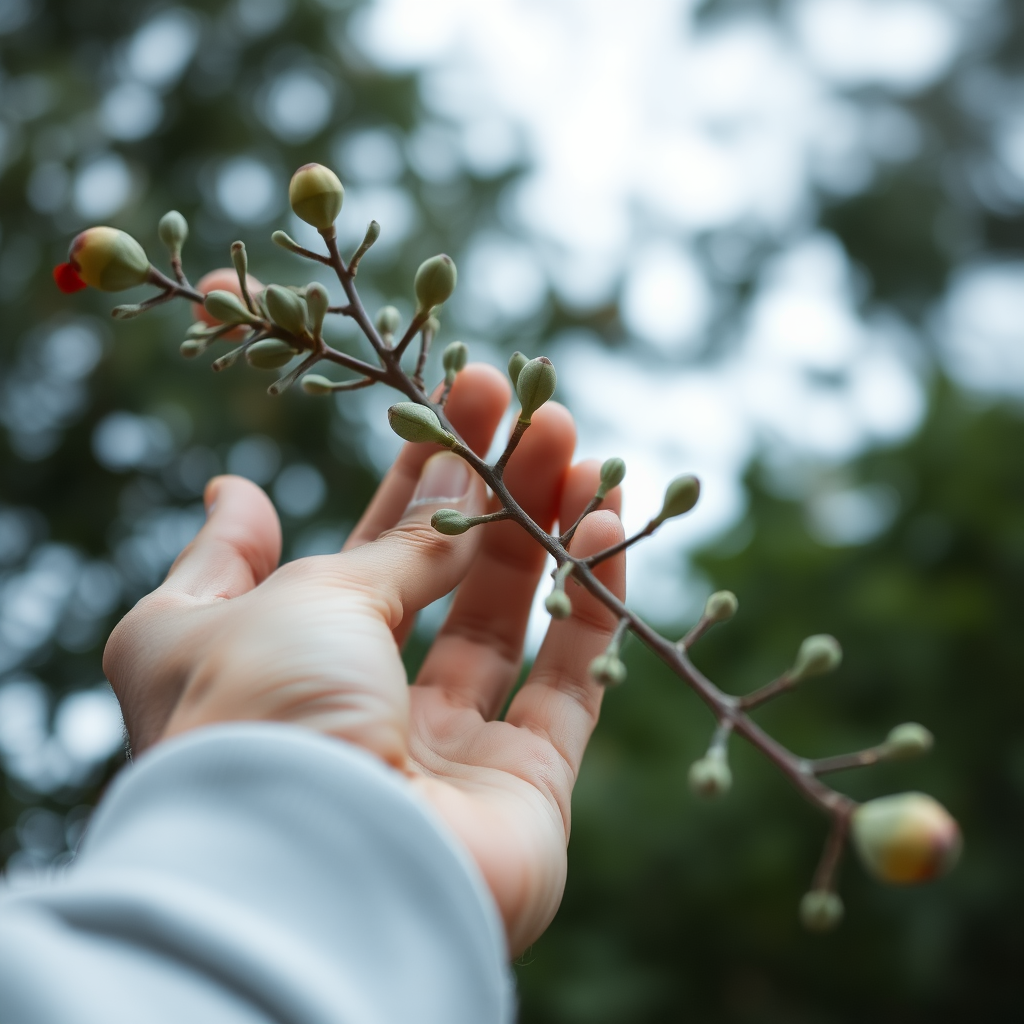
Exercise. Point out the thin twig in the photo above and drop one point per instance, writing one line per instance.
(761, 696)
(513, 443)
(825, 875)
(860, 759)
(592, 506)
(607, 553)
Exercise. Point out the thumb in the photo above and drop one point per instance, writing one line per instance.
(412, 564)
(237, 548)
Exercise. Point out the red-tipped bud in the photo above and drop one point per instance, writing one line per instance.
(108, 259)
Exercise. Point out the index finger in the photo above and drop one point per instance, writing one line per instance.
(475, 406)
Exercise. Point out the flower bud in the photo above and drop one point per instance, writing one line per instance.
(817, 655)
(820, 910)
(559, 606)
(191, 347)
(226, 280)
(721, 606)
(711, 776)
(228, 308)
(680, 496)
(270, 354)
(454, 359)
(316, 194)
(613, 472)
(515, 366)
(906, 741)
(240, 261)
(449, 521)
(314, 384)
(286, 309)
(535, 385)
(108, 259)
(388, 320)
(608, 670)
(905, 838)
(173, 231)
(435, 281)
(317, 301)
(414, 422)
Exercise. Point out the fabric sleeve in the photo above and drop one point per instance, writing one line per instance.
(249, 873)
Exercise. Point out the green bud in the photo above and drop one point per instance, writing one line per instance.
(817, 655)
(820, 910)
(559, 606)
(286, 309)
(680, 496)
(389, 320)
(455, 356)
(173, 231)
(711, 776)
(449, 521)
(435, 281)
(108, 259)
(317, 301)
(721, 606)
(535, 385)
(431, 326)
(228, 308)
(906, 741)
(414, 422)
(128, 312)
(191, 347)
(613, 472)
(240, 259)
(905, 838)
(269, 354)
(515, 366)
(316, 194)
(608, 670)
(314, 384)
(199, 330)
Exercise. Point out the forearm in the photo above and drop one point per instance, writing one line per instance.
(254, 873)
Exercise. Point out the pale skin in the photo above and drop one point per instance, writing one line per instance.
(316, 643)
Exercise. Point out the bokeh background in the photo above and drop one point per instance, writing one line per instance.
(776, 243)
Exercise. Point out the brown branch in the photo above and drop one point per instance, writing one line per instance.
(592, 506)
(600, 556)
(513, 443)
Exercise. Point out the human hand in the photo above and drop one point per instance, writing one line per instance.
(317, 643)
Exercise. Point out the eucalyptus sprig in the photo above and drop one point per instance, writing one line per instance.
(900, 839)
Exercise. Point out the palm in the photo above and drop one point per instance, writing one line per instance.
(317, 643)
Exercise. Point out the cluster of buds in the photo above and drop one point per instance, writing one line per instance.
(900, 839)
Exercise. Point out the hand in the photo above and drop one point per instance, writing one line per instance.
(316, 642)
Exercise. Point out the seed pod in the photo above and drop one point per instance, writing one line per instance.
(613, 472)
(711, 776)
(314, 384)
(108, 259)
(270, 354)
(286, 309)
(721, 606)
(414, 422)
(191, 347)
(454, 359)
(435, 281)
(449, 521)
(515, 366)
(680, 496)
(608, 670)
(906, 741)
(817, 655)
(821, 910)
(228, 308)
(558, 605)
(317, 301)
(388, 320)
(905, 838)
(535, 385)
(316, 194)
(173, 231)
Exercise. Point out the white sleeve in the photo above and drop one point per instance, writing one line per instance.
(252, 873)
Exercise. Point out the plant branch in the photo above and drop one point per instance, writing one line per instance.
(601, 556)
(592, 506)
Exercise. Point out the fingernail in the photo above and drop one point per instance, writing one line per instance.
(445, 477)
